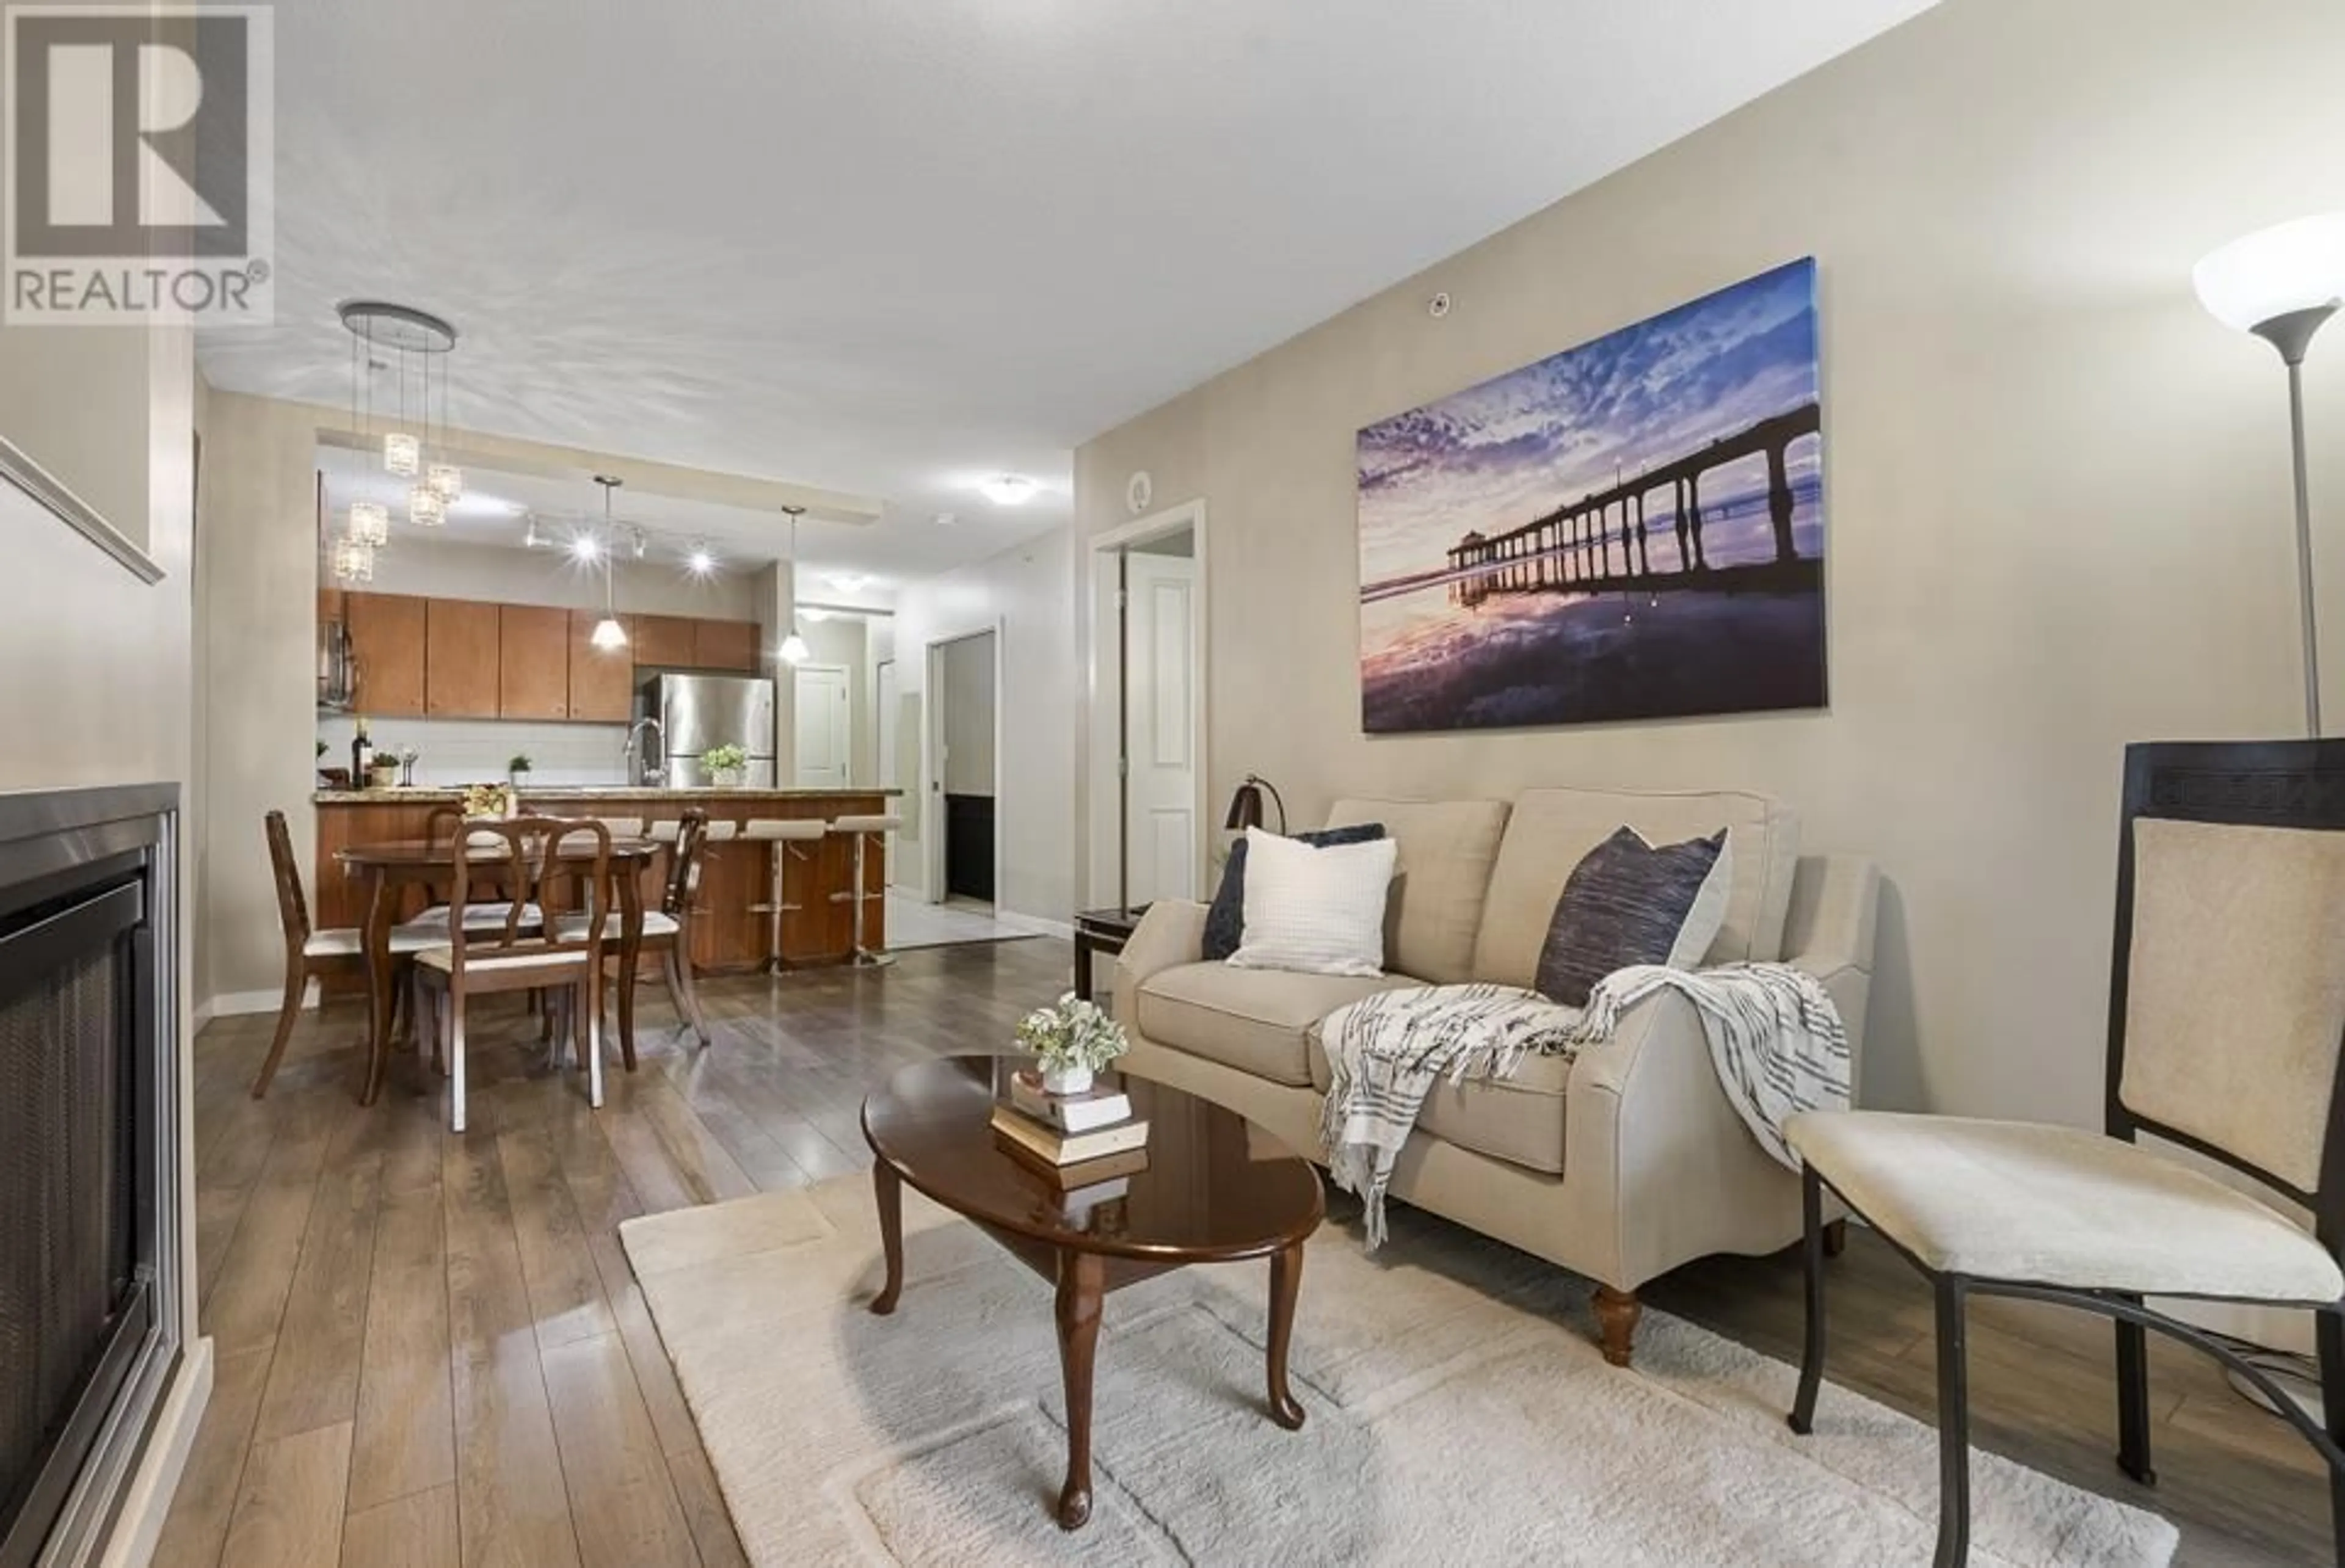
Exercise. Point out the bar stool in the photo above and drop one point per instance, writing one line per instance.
(864, 828)
(788, 837)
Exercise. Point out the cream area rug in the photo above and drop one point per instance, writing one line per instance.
(1458, 1414)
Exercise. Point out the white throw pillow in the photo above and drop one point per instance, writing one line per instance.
(1318, 909)
(1707, 916)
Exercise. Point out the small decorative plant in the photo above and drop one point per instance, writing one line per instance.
(724, 763)
(516, 766)
(1072, 1039)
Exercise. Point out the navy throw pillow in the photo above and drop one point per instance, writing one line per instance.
(1624, 904)
(1225, 918)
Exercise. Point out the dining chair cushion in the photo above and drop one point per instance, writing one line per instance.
(866, 823)
(345, 942)
(2048, 1205)
(571, 927)
(444, 958)
(481, 916)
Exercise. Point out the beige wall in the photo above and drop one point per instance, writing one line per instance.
(1024, 590)
(966, 713)
(2058, 492)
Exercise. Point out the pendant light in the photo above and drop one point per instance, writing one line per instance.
(608, 634)
(446, 479)
(353, 562)
(794, 648)
(370, 523)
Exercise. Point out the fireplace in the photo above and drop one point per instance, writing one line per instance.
(89, 1233)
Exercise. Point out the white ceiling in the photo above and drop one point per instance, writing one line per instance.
(894, 246)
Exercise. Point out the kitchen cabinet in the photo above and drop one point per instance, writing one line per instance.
(460, 664)
(601, 680)
(386, 633)
(664, 640)
(533, 662)
(725, 645)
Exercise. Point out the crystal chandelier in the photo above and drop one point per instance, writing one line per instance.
(369, 524)
(401, 453)
(425, 508)
(446, 479)
(401, 330)
(353, 561)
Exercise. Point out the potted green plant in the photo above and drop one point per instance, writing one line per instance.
(517, 769)
(725, 764)
(1072, 1041)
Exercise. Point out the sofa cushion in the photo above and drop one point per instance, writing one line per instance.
(1517, 1120)
(1630, 901)
(1446, 848)
(1550, 831)
(1252, 1019)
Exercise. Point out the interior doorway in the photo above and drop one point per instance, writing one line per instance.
(1147, 765)
(826, 727)
(964, 772)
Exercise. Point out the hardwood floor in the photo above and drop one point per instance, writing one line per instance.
(432, 1352)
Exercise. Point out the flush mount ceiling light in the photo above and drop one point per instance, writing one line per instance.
(370, 523)
(794, 648)
(1010, 490)
(608, 633)
(405, 336)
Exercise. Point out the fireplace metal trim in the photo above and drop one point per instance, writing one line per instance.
(46, 837)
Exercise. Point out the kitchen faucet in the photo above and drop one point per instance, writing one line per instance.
(649, 767)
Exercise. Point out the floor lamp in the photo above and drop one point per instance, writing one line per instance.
(2282, 284)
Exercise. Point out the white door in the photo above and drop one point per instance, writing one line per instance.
(1161, 833)
(825, 730)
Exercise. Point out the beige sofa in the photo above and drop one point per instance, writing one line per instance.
(1620, 1164)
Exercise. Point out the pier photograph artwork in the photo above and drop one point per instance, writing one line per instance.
(1631, 529)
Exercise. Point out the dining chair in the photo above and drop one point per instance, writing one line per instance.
(667, 930)
(2226, 1017)
(309, 952)
(440, 824)
(515, 856)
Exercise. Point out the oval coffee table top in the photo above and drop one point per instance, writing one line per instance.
(1216, 1188)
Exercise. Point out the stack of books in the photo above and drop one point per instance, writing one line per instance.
(1079, 1139)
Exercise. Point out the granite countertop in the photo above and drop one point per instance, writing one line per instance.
(426, 794)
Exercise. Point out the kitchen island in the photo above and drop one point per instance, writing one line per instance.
(727, 937)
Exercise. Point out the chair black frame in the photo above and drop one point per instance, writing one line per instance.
(2274, 783)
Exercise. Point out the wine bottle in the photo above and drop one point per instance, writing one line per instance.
(361, 754)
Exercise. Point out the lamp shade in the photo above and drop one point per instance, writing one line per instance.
(794, 648)
(2291, 266)
(608, 634)
(1246, 808)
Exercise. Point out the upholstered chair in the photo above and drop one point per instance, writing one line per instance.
(2227, 1012)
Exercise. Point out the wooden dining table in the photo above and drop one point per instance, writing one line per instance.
(394, 865)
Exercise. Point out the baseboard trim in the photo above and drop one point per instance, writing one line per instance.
(139, 1527)
(1035, 924)
(242, 1004)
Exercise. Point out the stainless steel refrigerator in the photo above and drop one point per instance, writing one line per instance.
(697, 711)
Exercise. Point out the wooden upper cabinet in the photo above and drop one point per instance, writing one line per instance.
(387, 632)
(664, 640)
(533, 662)
(601, 680)
(461, 667)
(724, 645)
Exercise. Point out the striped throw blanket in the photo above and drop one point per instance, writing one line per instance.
(1774, 1036)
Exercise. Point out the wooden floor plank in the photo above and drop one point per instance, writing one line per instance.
(704, 1510)
(565, 1293)
(247, 1301)
(313, 1380)
(404, 1439)
(196, 1527)
(289, 1513)
(621, 1497)
(418, 1531)
(510, 1502)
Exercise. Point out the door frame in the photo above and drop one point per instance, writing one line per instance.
(1106, 828)
(847, 683)
(932, 747)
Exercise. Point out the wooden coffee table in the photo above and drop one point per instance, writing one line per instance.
(1216, 1189)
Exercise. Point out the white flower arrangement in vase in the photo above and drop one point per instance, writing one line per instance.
(1073, 1040)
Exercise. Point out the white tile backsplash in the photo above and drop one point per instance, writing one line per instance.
(475, 751)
